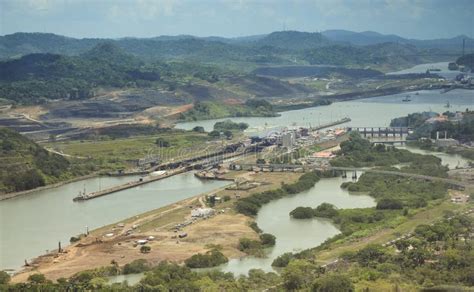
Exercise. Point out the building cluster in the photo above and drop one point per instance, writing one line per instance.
(294, 138)
(442, 137)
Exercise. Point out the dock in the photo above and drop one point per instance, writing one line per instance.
(128, 185)
(330, 124)
(181, 168)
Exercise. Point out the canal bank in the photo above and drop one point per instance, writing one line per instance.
(43, 219)
(368, 112)
(34, 224)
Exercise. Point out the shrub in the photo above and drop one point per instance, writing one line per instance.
(137, 266)
(333, 283)
(302, 213)
(214, 134)
(370, 255)
(267, 239)
(389, 203)
(255, 227)
(210, 259)
(282, 260)
(37, 278)
(246, 244)
(199, 129)
(228, 125)
(325, 210)
(145, 249)
(4, 277)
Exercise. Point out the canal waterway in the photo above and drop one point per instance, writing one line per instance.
(368, 112)
(422, 68)
(34, 223)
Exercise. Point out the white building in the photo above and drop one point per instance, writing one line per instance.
(202, 212)
(288, 140)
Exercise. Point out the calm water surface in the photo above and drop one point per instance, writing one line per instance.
(32, 224)
(451, 160)
(368, 112)
(293, 235)
(445, 72)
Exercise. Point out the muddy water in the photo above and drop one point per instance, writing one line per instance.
(34, 223)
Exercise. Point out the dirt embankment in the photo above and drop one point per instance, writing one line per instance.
(112, 242)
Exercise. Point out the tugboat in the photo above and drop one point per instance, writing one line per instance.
(82, 195)
(407, 98)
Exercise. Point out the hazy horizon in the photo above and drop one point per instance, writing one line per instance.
(416, 19)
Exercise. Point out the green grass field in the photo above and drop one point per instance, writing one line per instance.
(118, 153)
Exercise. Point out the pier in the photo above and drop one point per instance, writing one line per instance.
(181, 168)
(330, 124)
(128, 185)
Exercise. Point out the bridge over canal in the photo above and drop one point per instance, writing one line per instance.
(294, 167)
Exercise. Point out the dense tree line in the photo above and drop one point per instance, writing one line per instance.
(204, 110)
(228, 125)
(251, 204)
(359, 152)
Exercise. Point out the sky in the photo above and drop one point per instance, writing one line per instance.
(421, 19)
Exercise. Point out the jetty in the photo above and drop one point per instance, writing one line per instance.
(129, 185)
(330, 124)
(180, 167)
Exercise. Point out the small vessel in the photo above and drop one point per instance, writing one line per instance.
(448, 105)
(82, 195)
(407, 98)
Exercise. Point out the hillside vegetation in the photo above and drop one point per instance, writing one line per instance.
(48, 76)
(278, 48)
(26, 165)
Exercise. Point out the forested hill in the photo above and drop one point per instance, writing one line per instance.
(294, 40)
(371, 38)
(276, 47)
(26, 165)
(34, 76)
